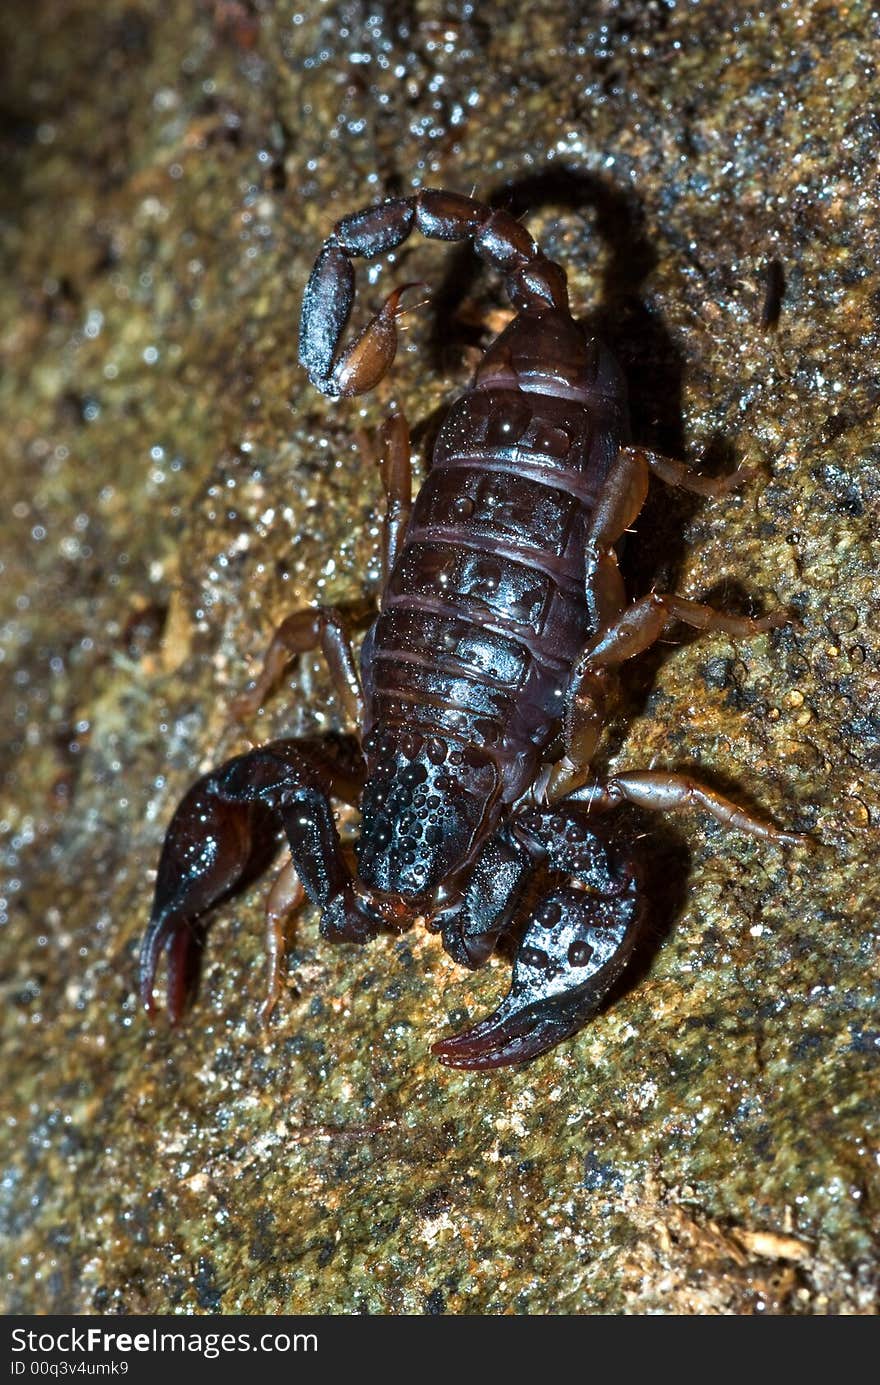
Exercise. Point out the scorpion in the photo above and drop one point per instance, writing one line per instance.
(484, 681)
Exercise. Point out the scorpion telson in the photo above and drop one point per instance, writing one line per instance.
(484, 682)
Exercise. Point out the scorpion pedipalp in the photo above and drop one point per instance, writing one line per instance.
(576, 941)
(575, 945)
(224, 834)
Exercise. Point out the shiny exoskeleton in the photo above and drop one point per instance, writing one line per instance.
(485, 680)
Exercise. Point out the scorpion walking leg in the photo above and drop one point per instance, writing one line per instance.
(322, 626)
(679, 793)
(395, 468)
(396, 471)
(638, 627)
(577, 939)
(590, 696)
(285, 899)
(224, 833)
(627, 487)
(317, 627)
(642, 624)
(630, 631)
(678, 474)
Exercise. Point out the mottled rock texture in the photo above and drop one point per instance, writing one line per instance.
(172, 486)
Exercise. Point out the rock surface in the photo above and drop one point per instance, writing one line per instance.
(172, 486)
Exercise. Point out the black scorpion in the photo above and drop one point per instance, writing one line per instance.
(484, 682)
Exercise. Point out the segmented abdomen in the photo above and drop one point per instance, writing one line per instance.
(485, 611)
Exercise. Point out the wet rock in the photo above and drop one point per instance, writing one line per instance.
(172, 487)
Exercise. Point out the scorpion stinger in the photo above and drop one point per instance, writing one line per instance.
(533, 282)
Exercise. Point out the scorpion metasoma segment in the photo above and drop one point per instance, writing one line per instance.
(484, 682)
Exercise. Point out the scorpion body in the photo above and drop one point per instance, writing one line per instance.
(486, 678)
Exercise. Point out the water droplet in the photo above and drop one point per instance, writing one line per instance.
(410, 745)
(579, 954)
(843, 620)
(509, 422)
(856, 812)
(533, 957)
(414, 774)
(550, 439)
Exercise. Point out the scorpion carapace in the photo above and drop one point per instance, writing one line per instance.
(484, 682)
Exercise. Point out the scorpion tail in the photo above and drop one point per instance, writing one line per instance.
(533, 282)
(575, 945)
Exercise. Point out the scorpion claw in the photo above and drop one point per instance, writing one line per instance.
(182, 941)
(209, 851)
(507, 1036)
(574, 947)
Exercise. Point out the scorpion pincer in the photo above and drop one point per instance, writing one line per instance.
(484, 681)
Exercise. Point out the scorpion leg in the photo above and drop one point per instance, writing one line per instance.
(285, 898)
(533, 282)
(642, 624)
(625, 631)
(225, 832)
(593, 687)
(626, 490)
(679, 793)
(323, 626)
(589, 699)
(393, 459)
(678, 474)
(396, 470)
(577, 940)
(319, 626)
(313, 628)
(635, 630)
